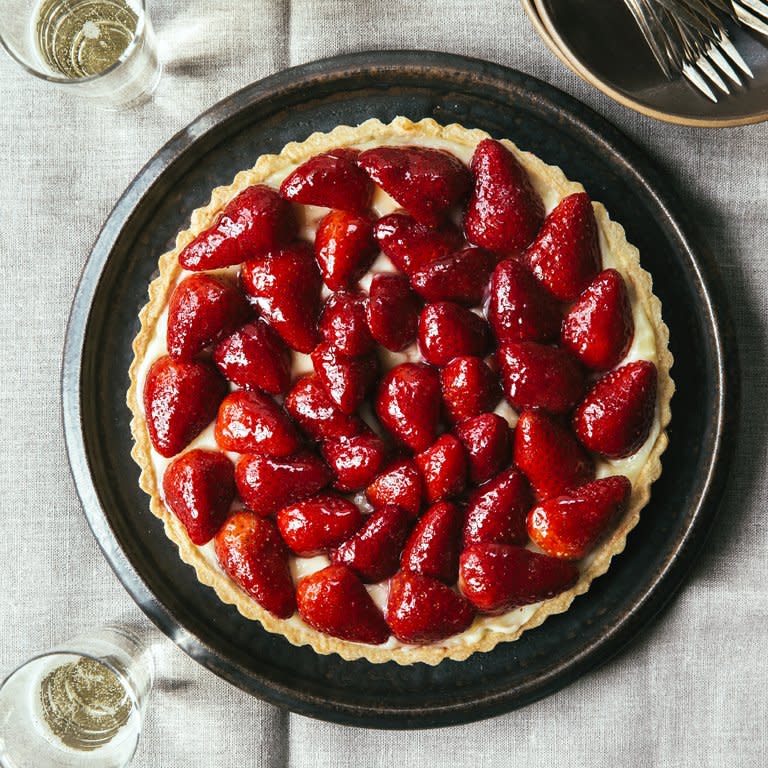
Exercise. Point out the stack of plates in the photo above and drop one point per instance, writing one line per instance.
(602, 44)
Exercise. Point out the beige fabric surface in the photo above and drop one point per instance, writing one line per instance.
(691, 691)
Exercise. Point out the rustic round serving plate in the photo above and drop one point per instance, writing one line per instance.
(347, 90)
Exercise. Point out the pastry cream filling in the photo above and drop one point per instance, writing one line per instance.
(643, 348)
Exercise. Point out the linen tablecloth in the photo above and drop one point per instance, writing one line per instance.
(690, 691)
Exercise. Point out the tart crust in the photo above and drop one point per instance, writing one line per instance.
(298, 633)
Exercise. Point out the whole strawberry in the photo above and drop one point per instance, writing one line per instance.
(504, 212)
(570, 525)
(180, 401)
(434, 545)
(253, 555)
(444, 468)
(318, 524)
(469, 388)
(400, 483)
(347, 380)
(392, 311)
(199, 487)
(565, 256)
(615, 417)
(447, 330)
(355, 460)
(344, 248)
(461, 277)
(487, 439)
(311, 406)
(343, 324)
(336, 602)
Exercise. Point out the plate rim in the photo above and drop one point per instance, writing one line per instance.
(668, 578)
(542, 23)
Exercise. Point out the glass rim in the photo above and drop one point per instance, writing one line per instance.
(61, 79)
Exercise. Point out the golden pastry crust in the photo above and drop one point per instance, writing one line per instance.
(639, 283)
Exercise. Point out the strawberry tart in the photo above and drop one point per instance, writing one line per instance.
(400, 391)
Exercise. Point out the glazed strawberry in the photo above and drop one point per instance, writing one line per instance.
(447, 330)
(393, 311)
(251, 422)
(565, 256)
(318, 524)
(499, 577)
(424, 610)
(434, 545)
(335, 601)
(569, 526)
(598, 328)
(255, 357)
(461, 277)
(199, 487)
(355, 460)
(202, 310)
(344, 248)
(400, 483)
(469, 388)
(504, 212)
(256, 221)
(253, 555)
(487, 440)
(537, 376)
(410, 245)
(549, 455)
(331, 180)
(180, 401)
(347, 380)
(373, 553)
(343, 324)
(408, 404)
(444, 468)
(615, 417)
(285, 286)
(266, 484)
(496, 511)
(519, 308)
(311, 406)
(426, 182)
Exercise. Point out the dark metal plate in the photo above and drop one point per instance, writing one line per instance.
(262, 118)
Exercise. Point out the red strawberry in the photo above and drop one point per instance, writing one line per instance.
(393, 311)
(565, 255)
(519, 308)
(504, 212)
(496, 510)
(202, 310)
(199, 487)
(408, 404)
(344, 326)
(254, 556)
(318, 524)
(447, 330)
(347, 380)
(400, 483)
(180, 401)
(410, 245)
(334, 601)
(285, 286)
(487, 440)
(461, 277)
(615, 417)
(255, 357)
(266, 484)
(469, 387)
(536, 376)
(424, 610)
(499, 577)
(255, 221)
(311, 406)
(434, 545)
(426, 182)
(344, 248)
(355, 460)
(598, 328)
(250, 422)
(331, 180)
(444, 468)
(549, 455)
(373, 553)
(569, 526)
